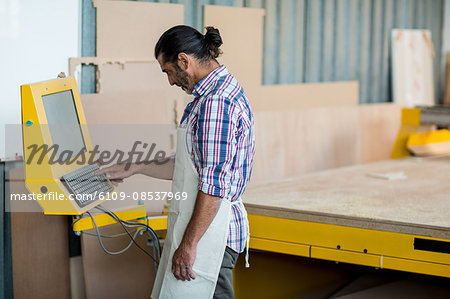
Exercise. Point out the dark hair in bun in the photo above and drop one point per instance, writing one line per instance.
(186, 39)
(213, 41)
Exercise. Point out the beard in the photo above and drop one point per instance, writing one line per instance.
(183, 78)
(186, 90)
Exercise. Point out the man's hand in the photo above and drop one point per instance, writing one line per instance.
(116, 173)
(205, 209)
(182, 262)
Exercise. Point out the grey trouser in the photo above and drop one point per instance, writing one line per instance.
(224, 286)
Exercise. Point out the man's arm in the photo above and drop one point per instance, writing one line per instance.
(206, 208)
(161, 169)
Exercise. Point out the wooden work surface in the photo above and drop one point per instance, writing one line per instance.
(419, 204)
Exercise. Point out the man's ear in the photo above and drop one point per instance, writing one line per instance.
(183, 60)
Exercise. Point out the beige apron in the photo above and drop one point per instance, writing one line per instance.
(211, 247)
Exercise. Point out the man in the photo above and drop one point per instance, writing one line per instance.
(213, 163)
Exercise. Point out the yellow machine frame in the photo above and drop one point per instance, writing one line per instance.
(43, 179)
(137, 212)
(411, 122)
(380, 249)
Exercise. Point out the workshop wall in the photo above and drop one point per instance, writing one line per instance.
(319, 41)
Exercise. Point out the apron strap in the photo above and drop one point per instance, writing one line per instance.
(233, 203)
(247, 264)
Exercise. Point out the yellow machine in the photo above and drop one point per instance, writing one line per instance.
(52, 115)
(303, 235)
(411, 121)
(56, 143)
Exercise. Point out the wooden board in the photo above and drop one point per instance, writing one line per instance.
(40, 251)
(412, 67)
(137, 77)
(242, 37)
(129, 275)
(128, 108)
(294, 142)
(74, 62)
(441, 148)
(446, 100)
(348, 196)
(243, 55)
(308, 95)
(134, 92)
(131, 29)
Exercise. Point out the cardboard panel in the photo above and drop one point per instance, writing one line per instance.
(129, 275)
(412, 66)
(133, 92)
(131, 29)
(294, 142)
(40, 252)
(128, 108)
(242, 35)
(446, 100)
(308, 95)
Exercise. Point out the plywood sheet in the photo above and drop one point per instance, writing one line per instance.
(40, 252)
(129, 275)
(137, 77)
(98, 61)
(412, 66)
(439, 148)
(242, 54)
(348, 196)
(446, 100)
(131, 29)
(242, 34)
(128, 108)
(308, 95)
(134, 92)
(294, 142)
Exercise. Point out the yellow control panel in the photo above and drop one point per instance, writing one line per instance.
(56, 142)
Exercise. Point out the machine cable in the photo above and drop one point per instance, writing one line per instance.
(141, 228)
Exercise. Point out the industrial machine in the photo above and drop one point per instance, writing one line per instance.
(59, 171)
(60, 165)
(347, 215)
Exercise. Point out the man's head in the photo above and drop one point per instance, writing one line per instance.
(186, 55)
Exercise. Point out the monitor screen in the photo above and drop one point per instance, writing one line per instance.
(64, 124)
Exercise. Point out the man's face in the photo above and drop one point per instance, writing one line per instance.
(177, 76)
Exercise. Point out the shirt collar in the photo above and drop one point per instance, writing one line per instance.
(202, 87)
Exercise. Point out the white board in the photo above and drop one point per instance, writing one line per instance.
(412, 67)
(36, 40)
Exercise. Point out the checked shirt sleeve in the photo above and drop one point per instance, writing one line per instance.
(215, 143)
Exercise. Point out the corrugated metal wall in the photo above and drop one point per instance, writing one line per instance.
(327, 40)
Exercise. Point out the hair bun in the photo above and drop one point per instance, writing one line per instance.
(213, 41)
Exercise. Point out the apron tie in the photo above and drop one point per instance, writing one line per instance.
(247, 264)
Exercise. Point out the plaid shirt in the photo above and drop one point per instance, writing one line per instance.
(219, 122)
